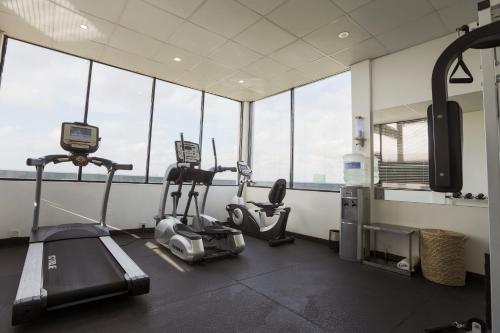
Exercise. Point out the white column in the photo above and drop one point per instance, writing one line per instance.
(361, 95)
(491, 126)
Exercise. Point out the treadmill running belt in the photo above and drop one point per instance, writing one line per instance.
(78, 269)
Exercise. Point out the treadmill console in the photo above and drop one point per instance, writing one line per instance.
(244, 169)
(190, 154)
(79, 138)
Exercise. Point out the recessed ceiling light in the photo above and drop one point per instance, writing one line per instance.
(241, 81)
(344, 34)
(177, 59)
(84, 27)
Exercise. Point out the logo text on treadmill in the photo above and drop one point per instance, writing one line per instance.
(52, 262)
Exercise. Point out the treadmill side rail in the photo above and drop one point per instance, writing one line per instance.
(137, 280)
(31, 298)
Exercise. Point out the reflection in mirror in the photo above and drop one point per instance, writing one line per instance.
(400, 146)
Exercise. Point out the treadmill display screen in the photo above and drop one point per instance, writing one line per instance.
(80, 132)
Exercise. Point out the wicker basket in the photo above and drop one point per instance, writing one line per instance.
(442, 256)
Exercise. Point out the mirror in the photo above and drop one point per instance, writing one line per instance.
(400, 145)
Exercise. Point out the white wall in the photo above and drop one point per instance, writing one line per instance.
(130, 205)
(405, 77)
(474, 153)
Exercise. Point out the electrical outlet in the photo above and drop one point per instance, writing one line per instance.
(14, 233)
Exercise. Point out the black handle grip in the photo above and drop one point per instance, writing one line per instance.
(222, 169)
(123, 166)
(34, 161)
(461, 80)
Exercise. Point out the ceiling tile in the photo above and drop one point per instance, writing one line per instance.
(241, 80)
(439, 4)
(109, 10)
(368, 49)
(86, 49)
(322, 68)
(119, 58)
(167, 53)
(350, 5)
(133, 42)
(60, 23)
(15, 26)
(293, 78)
(149, 20)
(225, 17)
(413, 33)
(296, 54)
(262, 6)
(98, 30)
(195, 39)
(206, 73)
(380, 16)
(266, 68)
(462, 12)
(326, 38)
(264, 37)
(182, 8)
(227, 87)
(234, 55)
(301, 17)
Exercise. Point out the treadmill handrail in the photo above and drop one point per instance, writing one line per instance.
(41, 162)
(484, 37)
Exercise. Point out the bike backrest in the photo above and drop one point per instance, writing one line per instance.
(277, 192)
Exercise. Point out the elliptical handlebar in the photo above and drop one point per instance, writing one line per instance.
(183, 148)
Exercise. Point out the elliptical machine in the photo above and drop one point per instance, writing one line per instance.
(205, 237)
(253, 221)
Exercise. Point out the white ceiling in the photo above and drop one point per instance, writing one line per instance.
(470, 102)
(244, 49)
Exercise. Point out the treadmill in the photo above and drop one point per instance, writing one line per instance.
(74, 263)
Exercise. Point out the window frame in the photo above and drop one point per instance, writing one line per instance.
(400, 186)
(151, 114)
(334, 188)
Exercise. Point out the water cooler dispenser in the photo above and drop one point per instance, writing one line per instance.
(355, 212)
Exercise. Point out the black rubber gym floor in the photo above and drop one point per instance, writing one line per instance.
(302, 287)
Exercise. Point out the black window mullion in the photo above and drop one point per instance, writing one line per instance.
(202, 116)
(150, 133)
(87, 96)
(86, 110)
(2, 57)
(250, 133)
(240, 147)
(292, 133)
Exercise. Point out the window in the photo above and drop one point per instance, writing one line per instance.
(40, 89)
(120, 104)
(402, 151)
(271, 139)
(177, 109)
(221, 121)
(322, 132)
